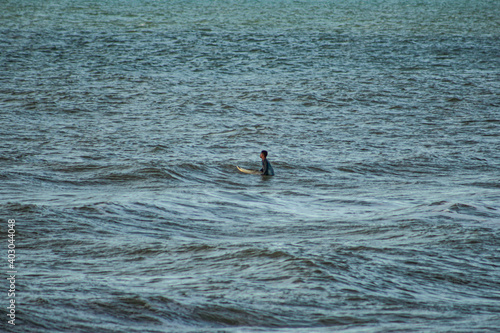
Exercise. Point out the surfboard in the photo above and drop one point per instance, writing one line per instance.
(252, 172)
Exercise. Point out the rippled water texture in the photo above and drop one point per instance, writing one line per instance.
(122, 123)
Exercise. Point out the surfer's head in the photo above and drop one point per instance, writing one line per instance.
(263, 154)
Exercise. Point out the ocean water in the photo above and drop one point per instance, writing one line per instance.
(122, 123)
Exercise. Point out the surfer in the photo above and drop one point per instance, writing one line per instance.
(267, 169)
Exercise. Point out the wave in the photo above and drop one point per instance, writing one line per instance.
(17, 207)
(446, 212)
(107, 173)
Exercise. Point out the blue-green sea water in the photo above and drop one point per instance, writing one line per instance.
(122, 122)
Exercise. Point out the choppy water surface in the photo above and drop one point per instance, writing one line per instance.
(122, 123)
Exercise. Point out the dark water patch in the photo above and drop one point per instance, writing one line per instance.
(487, 185)
(16, 207)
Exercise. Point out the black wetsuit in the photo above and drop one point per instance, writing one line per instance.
(267, 169)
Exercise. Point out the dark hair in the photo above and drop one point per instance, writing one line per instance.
(264, 152)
